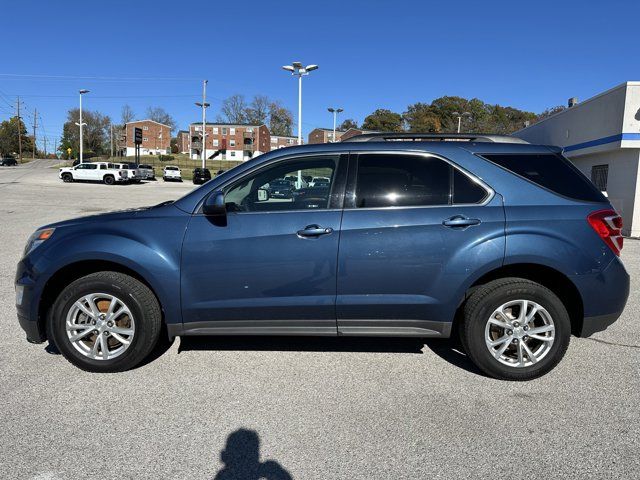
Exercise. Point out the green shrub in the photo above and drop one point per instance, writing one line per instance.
(166, 158)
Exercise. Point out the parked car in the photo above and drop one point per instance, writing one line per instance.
(314, 180)
(503, 242)
(146, 172)
(171, 172)
(134, 174)
(311, 197)
(8, 161)
(295, 182)
(108, 173)
(201, 175)
(280, 188)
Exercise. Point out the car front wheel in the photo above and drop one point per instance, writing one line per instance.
(105, 322)
(67, 177)
(515, 329)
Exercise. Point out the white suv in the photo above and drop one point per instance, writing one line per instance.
(171, 172)
(94, 171)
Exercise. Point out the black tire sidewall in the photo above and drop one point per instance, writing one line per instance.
(109, 180)
(476, 319)
(143, 331)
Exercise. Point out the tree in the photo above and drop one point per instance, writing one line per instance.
(158, 114)
(9, 137)
(258, 111)
(421, 119)
(234, 109)
(347, 124)
(280, 119)
(383, 120)
(127, 114)
(95, 132)
(549, 112)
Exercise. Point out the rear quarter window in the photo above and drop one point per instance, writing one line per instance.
(550, 171)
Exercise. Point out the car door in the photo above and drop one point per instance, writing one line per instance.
(414, 228)
(272, 267)
(83, 172)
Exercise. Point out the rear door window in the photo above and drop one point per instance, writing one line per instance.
(550, 171)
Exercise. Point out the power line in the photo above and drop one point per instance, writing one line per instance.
(103, 78)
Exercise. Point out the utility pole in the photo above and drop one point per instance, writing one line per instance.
(45, 147)
(80, 124)
(111, 137)
(35, 126)
(19, 132)
(204, 106)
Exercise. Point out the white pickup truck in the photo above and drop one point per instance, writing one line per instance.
(105, 172)
(134, 174)
(171, 172)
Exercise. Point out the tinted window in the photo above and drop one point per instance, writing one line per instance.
(599, 176)
(550, 171)
(270, 189)
(465, 190)
(401, 180)
(145, 166)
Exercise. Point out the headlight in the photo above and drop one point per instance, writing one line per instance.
(38, 237)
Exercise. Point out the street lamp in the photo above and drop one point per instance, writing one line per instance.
(298, 70)
(460, 115)
(80, 124)
(335, 112)
(204, 106)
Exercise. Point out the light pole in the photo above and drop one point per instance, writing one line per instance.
(204, 106)
(80, 124)
(298, 70)
(335, 112)
(460, 115)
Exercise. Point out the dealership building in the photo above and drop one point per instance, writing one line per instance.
(601, 136)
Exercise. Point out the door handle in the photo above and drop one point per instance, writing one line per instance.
(314, 231)
(460, 221)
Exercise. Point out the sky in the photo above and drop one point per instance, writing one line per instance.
(372, 54)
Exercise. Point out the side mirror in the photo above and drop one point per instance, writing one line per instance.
(215, 208)
(263, 194)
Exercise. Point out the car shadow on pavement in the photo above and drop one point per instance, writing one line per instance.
(241, 459)
(449, 350)
(303, 344)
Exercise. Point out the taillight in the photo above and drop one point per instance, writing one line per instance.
(608, 225)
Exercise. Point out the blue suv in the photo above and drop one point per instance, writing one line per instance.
(503, 243)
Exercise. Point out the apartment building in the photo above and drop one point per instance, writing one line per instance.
(352, 132)
(156, 138)
(182, 141)
(281, 141)
(241, 141)
(324, 135)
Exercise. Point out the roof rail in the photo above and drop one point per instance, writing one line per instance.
(433, 137)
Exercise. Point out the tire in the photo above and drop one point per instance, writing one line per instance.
(109, 180)
(478, 328)
(141, 317)
(67, 177)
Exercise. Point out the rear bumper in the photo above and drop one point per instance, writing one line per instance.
(604, 297)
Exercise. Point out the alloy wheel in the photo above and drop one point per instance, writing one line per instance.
(519, 333)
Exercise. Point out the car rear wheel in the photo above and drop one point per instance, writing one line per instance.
(67, 177)
(105, 322)
(109, 179)
(515, 329)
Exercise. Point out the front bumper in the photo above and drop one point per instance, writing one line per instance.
(27, 302)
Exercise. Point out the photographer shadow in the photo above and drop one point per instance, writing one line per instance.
(241, 458)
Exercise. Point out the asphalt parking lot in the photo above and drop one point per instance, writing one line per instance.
(312, 408)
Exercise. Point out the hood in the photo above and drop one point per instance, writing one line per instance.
(166, 208)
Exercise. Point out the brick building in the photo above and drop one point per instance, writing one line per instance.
(281, 141)
(352, 132)
(242, 141)
(182, 141)
(156, 138)
(324, 135)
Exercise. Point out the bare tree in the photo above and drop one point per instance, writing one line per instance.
(158, 114)
(258, 111)
(280, 119)
(127, 114)
(234, 109)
